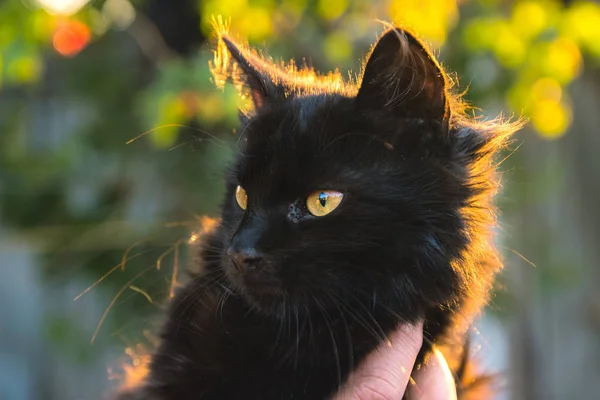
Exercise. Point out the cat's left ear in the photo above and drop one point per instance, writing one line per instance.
(401, 76)
(254, 75)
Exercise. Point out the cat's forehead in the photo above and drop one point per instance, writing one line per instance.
(285, 145)
(296, 125)
(312, 143)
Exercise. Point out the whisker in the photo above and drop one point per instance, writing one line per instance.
(281, 321)
(333, 342)
(142, 292)
(103, 277)
(215, 138)
(348, 334)
(126, 253)
(372, 318)
(175, 270)
(364, 323)
(197, 291)
(297, 336)
(171, 248)
(113, 301)
(521, 256)
(180, 145)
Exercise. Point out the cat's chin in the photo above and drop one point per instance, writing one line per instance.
(284, 305)
(267, 299)
(272, 302)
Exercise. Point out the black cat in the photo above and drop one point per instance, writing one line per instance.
(350, 209)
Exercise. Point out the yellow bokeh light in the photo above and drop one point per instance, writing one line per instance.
(43, 25)
(546, 89)
(331, 9)
(229, 9)
(337, 47)
(479, 33)
(251, 20)
(256, 23)
(497, 35)
(529, 18)
(26, 69)
(561, 59)
(431, 19)
(582, 23)
(551, 118)
(507, 45)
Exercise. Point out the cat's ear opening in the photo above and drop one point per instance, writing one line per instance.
(402, 76)
(249, 73)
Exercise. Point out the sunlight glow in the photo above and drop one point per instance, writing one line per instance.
(62, 7)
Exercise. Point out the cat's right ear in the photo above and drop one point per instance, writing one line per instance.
(401, 76)
(250, 73)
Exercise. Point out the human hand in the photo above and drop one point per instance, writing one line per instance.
(385, 373)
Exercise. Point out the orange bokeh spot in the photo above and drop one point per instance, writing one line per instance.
(135, 370)
(138, 370)
(208, 223)
(71, 37)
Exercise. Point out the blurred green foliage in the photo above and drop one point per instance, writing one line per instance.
(77, 83)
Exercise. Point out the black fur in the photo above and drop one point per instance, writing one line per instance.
(410, 240)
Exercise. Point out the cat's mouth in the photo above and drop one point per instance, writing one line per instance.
(267, 299)
(262, 287)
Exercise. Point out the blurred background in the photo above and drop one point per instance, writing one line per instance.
(79, 205)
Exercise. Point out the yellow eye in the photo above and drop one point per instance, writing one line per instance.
(241, 197)
(323, 202)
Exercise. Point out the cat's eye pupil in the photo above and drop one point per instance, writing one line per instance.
(323, 199)
(323, 202)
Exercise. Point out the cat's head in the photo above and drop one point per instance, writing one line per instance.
(375, 193)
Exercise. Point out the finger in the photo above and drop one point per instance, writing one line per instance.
(384, 374)
(433, 381)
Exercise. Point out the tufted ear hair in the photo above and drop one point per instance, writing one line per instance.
(402, 77)
(251, 73)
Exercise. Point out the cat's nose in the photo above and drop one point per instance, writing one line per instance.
(244, 259)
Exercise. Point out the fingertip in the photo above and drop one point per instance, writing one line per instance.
(407, 336)
(433, 380)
